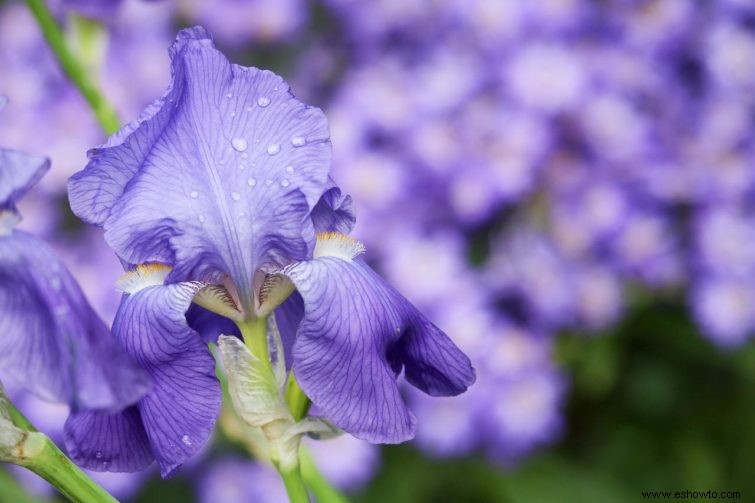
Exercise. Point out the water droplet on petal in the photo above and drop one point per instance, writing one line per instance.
(186, 440)
(251, 182)
(285, 183)
(235, 196)
(245, 156)
(263, 101)
(289, 169)
(239, 144)
(298, 141)
(229, 95)
(233, 114)
(98, 455)
(268, 182)
(200, 218)
(193, 194)
(273, 148)
(241, 166)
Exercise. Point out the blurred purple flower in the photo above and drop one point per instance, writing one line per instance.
(233, 480)
(347, 462)
(53, 342)
(242, 21)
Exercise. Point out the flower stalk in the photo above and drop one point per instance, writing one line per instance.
(23, 445)
(297, 401)
(51, 464)
(72, 67)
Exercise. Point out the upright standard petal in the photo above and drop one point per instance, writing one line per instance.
(51, 341)
(218, 176)
(178, 414)
(334, 212)
(356, 335)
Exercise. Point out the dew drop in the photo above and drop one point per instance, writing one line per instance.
(273, 148)
(245, 156)
(200, 218)
(239, 144)
(298, 141)
(193, 194)
(289, 169)
(229, 95)
(251, 182)
(241, 166)
(248, 109)
(285, 183)
(263, 101)
(235, 196)
(268, 183)
(186, 440)
(98, 455)
(233, 114)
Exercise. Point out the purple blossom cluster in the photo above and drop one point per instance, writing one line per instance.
(575, 150)
(517, 167)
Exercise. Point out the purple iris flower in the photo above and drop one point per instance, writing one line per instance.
(224, 181)
(51, 341)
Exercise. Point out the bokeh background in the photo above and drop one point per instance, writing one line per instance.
(567, 187)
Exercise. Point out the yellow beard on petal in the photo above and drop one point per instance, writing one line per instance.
(335, 244)
(142, 276)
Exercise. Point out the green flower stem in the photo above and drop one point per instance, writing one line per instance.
(18, 418)
(27, 447)
(52, 465)
(72, 67)
(317, 483)
(11, 490)
(255, 337)
(297, 401)
(295, 488)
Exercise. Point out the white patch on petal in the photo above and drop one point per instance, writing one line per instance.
(143, 276)
(335, 244)
(8, 220)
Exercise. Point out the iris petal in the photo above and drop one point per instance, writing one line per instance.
(18, 173)
(178, 414)
(356, 333)
(216, 177)
(51, 341)
(103, 441)
(334, 212)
